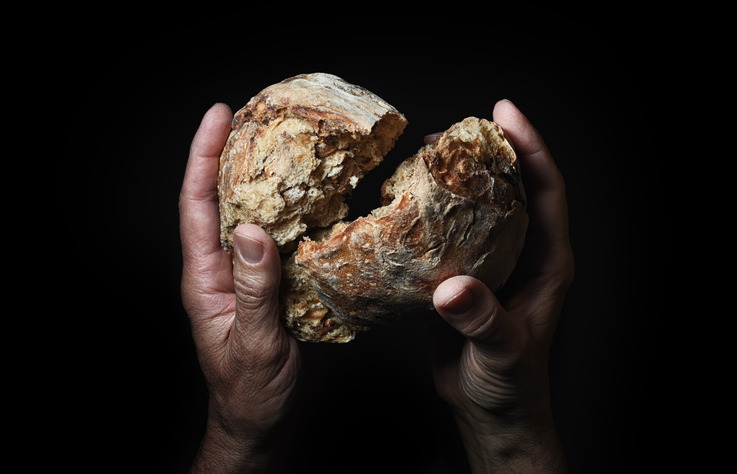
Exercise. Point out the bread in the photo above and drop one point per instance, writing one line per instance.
(457, 207)
(295, 150)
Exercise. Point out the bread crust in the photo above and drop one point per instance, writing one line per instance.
(462, 213)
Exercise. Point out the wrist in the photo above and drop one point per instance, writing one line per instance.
(520, 442)
(221, 451)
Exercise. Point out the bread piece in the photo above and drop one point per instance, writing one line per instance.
(456, 208)
(295, 150)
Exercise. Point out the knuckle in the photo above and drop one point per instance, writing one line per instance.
(481, 327)
(253, 294)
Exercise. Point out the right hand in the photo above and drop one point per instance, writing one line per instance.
(495, 379)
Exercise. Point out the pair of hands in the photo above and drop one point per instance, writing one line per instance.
(490, 361)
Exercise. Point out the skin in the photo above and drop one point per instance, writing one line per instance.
(489, 361)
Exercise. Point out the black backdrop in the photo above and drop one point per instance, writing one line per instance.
(135, 96)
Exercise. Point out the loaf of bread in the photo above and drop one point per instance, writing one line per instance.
(457, 207)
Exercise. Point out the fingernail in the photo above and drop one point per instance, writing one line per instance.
(251, 251)
(460, 302)
(431, 138)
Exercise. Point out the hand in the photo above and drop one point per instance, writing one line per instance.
(248, 360)
(495, 376)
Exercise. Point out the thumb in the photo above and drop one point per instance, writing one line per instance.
(257, 273)
(472, 309)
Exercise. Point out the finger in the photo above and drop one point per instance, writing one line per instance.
(472, 309)
(198, 200)
(431, 138)
(547, 207)
(257, 275)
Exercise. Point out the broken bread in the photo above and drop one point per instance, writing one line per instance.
(457, 207)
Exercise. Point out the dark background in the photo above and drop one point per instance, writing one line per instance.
(134, 98)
